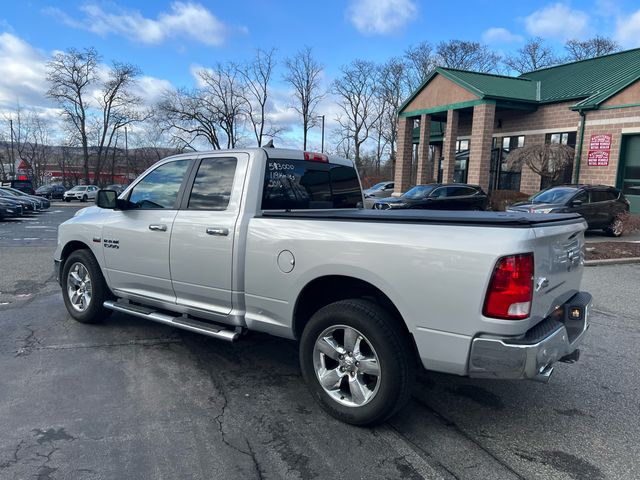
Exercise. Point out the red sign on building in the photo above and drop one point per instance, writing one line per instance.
(598, 158)
(600, 142)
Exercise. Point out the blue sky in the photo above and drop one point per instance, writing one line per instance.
(168, 39)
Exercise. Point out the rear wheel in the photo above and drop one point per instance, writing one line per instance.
(83, 288)
(357, 361)
(616, 227)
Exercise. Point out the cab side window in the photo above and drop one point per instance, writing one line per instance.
(159, 189)
(583, 197)
(213, 183)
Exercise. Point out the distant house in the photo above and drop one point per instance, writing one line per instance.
(460, 125)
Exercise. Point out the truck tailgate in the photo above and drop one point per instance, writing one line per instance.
(559, 259)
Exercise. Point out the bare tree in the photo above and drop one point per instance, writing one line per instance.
(532, 56)
(420, 61)
(303, 74)
(70, 75)
(391, 93)
(119, 107)
(467, 56)
(590, 48)
(257, 76)
(225, 94)
(547, 160)
(188, 118)
(356, 90)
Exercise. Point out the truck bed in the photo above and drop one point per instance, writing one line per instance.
(434, 217)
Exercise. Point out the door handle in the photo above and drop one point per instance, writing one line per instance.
(222, 232)
(158, 227)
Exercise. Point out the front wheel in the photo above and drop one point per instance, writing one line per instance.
(84, 198)
(616, 227)
(83, 288)
(357, 361)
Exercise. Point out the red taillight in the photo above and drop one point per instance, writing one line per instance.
(316, 157)
(511, 288)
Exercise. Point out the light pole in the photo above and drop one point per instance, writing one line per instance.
(322, 141)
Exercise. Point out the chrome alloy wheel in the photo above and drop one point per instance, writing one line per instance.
(79, 287)
(346, 366)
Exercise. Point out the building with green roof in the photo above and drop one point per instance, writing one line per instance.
(459, 126)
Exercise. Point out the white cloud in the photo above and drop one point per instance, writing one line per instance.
(380, 16)
(22, 73)
(557, 21)
(500, 35)
(628, 30)
(184, 20)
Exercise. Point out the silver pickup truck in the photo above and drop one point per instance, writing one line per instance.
(272, 240)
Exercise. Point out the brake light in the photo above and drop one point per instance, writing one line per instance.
(511, 288)
(316, 157)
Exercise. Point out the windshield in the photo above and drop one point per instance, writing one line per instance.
(378, 186)
(418, 191)
(10, 192)
(554, 195)
(78, 189)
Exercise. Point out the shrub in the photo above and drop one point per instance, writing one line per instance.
(499, 200)
(630, 223)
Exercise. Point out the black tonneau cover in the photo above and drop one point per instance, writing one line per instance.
(438, 217)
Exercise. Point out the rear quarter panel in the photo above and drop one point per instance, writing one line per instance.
(436, 275)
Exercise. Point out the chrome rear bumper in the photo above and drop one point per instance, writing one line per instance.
(556, 338)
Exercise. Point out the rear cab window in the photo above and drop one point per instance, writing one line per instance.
(306, 185)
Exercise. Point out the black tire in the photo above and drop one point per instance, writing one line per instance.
(615, 228)
(67, 200)
(94, 311)
(391, 345)
(84, 198)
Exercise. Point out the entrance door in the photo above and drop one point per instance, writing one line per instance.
(629, 171)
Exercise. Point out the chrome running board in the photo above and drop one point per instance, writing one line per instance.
(185, 323)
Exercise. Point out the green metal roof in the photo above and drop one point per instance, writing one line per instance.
(493, 86)
(595, 79)
(590, 81)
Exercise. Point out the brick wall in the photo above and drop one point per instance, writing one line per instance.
(480, 145)
(617, 121)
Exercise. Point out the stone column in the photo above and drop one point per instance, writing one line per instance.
(423, 174)
(480, 147)
(449, 146)
(404, 155)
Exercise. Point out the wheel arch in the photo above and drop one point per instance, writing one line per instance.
(328, 289)
(71, 247)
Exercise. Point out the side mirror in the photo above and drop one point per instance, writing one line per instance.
(576, 203)
(106, 199)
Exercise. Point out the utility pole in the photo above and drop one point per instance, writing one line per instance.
(13, 157)
(322, 142)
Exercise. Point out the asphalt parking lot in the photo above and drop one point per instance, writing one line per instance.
(132, 399)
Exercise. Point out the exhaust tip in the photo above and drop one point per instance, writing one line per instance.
(545, 375)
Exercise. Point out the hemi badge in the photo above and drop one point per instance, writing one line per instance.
(97, 239)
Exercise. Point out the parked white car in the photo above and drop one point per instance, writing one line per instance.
(81, 192)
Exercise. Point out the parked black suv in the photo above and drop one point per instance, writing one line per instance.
(600, 205)
(23, 185)
(436, 196)
(51, 191)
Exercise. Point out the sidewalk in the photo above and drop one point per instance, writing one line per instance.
(597, 236)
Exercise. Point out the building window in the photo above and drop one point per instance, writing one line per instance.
(503, 174)
(563, 138)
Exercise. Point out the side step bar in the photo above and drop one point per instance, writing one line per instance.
(180, 322)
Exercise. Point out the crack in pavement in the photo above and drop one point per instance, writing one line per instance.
(451, 424)
(29, 343)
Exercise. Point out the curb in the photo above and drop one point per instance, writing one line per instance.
(611, 261)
